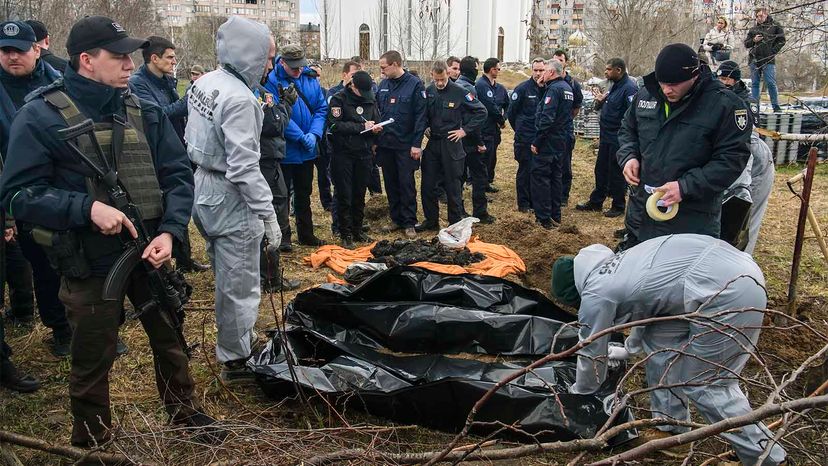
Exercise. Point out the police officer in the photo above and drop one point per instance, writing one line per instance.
(45, 184)
(613, 105)
(352, 118)
(44, 40)
(21, 72)
(348, 69)
(687, 137)
(272, 145)
(552, 120)
(495, 98)
(578, 99)
(476, 161)
(400, 96)
(453, 113)
(521, 115)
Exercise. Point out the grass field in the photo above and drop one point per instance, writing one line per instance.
(283, 432)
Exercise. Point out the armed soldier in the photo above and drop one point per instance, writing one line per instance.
(48, 183)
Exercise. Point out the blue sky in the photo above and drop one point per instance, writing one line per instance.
(307, 12)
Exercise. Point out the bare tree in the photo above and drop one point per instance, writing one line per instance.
(328, 15)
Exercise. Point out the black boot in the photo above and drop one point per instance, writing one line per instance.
(12, 379)
(191, 266)
(208, 430)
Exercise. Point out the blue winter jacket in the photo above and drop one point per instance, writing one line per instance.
(303, 119)
(553, 118)
(404, 100)
(621, 94)
(161, 92)
(522, 110)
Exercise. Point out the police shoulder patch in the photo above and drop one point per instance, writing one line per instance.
(424, 94)
(490, 94)
(470, 97)
(741, 118)
(630, 98)
(515, 95)
(336, 112)
(547, 100)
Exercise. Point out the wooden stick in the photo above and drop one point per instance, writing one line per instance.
(62, 450)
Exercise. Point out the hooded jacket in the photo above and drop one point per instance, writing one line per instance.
(225, 118)
(162, 92)
(773, 39)
(702, 142)
(15, 90)
(304, 119)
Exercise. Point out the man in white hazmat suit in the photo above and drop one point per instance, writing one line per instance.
(233, 203)
(664, 276)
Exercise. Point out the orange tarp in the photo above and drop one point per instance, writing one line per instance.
(500, 260)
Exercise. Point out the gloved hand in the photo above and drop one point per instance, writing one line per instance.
(617, 352)
(288, 95)
(309, 142)
(272, 231)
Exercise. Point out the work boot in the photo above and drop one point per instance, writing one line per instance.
(487, 219)
(410, 233)
(276, 285)
(348, 242)
(620, 233)
(589, 207)
(648, 435)
(208, 430)
(312, 241)
(362, 237)
(12, 379)
(192, 266)
(392, 228)
(20, 321)
(285, 247)
(60, 345)
(426, 226)
(614, 212)
(236, 373)
(548, 224)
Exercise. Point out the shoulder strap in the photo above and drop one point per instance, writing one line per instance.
(64, 105)
(304, 99)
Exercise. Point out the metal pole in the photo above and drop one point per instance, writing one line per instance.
(800, 229)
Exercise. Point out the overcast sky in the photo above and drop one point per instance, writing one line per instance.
(307, 12)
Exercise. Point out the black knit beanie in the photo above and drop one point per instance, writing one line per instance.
(676, 63)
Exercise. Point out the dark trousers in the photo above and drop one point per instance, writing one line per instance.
(323, 176)
(479, 173)
(19, 279)
(443, 160)
(398, 170)
(182, 251)
(491, 143)
(299, 178)
(375, 182)
(609, 178)
(351, 173)
(272, 172)
(546, 186)
(523, 179)
(95, 332)
(46, 287)
(566, 169)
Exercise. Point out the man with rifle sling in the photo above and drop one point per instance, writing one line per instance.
(104, 183)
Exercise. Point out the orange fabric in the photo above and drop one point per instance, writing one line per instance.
(500, 260)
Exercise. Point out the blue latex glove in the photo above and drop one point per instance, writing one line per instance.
(309, 142)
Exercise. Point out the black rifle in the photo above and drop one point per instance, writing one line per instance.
(170, 291)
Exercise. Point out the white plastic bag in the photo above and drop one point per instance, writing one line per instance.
(457, 236)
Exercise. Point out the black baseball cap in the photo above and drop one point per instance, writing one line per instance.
(39, 29)
(94, 32)
(17, 34)
(362, 81)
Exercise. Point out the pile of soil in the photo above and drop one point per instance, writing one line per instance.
(537, 247)
(405, 252)
(376, 208)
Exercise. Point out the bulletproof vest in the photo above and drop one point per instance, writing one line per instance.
(133, 163)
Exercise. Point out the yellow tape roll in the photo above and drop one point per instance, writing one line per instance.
(657, 214)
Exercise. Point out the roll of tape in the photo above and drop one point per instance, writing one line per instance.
(657, 214)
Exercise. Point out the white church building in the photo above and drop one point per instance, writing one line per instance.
(424, 30)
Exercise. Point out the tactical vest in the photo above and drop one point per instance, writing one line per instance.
(133, 163)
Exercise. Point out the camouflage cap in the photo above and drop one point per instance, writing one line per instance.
(294, 56)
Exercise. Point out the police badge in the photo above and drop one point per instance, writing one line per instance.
(336, 112)
(741, 119)
(360, 110)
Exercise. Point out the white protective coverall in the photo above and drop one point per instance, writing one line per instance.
(232, 198)
(674, 275)
(762, 174)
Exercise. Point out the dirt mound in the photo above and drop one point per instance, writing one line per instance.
(376, 208)
(536, 246)
(407, 252)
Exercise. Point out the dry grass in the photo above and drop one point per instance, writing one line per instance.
(45, 414)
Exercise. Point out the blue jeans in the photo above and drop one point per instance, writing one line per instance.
(769, 73)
